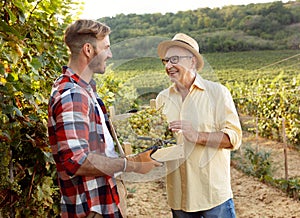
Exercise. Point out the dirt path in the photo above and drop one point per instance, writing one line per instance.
(252, 198)
(257, 200)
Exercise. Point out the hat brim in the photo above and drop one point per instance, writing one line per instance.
(165, 45)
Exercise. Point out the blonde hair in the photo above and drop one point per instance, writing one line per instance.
(84, 31)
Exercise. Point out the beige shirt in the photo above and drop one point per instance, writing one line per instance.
(201, 180)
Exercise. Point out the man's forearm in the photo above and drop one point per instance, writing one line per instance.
(215, 139)
(99, 165)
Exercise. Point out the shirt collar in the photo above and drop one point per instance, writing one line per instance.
(198, 83)
(70, 73)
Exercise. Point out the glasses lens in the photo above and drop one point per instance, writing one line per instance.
(174, 59)
(165, 61)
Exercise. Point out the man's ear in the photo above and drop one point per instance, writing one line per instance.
(194, 62)
(88, 49)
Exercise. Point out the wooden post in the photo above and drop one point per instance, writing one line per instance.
(285, 150)
(256, 133)
(127, 148)
(152, 103)
(112, 112)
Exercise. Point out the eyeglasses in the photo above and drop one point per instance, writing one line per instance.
(173, 59)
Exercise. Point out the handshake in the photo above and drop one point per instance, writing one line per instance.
(142, 162)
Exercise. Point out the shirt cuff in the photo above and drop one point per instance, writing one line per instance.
(234, 137)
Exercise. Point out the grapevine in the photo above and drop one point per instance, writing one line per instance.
(148, 123)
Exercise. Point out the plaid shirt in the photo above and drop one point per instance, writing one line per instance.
(75, 129)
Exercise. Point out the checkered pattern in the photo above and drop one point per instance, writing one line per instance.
(75, 129)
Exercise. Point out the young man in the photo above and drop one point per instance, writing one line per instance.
(78, 127)
(203, 116)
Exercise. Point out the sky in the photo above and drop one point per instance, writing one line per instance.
(94, 9)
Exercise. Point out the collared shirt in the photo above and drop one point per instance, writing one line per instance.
(201, 180)
(75, 129)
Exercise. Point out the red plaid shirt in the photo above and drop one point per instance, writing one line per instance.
(75, 129)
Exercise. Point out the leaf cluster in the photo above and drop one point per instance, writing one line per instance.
(31, 56)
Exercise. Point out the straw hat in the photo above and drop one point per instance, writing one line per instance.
(184, 41)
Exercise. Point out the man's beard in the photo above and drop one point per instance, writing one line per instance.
(95, 64)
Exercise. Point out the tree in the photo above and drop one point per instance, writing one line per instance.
(32, 53)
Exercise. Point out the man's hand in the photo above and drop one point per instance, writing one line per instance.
(186, 128)
(212, 139)
(142, 162)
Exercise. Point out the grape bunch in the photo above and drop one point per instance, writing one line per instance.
(148, 123)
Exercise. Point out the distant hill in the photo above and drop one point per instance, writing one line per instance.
(264, 26)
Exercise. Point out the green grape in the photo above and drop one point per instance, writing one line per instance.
(148, 122)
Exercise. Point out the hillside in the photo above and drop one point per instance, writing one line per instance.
(261, 26)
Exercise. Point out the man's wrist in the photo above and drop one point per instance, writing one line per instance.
(132, 163)
(200, 139)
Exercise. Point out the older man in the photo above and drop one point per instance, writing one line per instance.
(203, 116)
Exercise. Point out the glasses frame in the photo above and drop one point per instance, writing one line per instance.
(174, 59)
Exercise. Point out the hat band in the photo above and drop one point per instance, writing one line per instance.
(185, 43)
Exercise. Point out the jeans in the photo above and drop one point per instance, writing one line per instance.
(225, 210)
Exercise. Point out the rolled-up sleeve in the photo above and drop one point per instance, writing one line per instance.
(230, 120)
